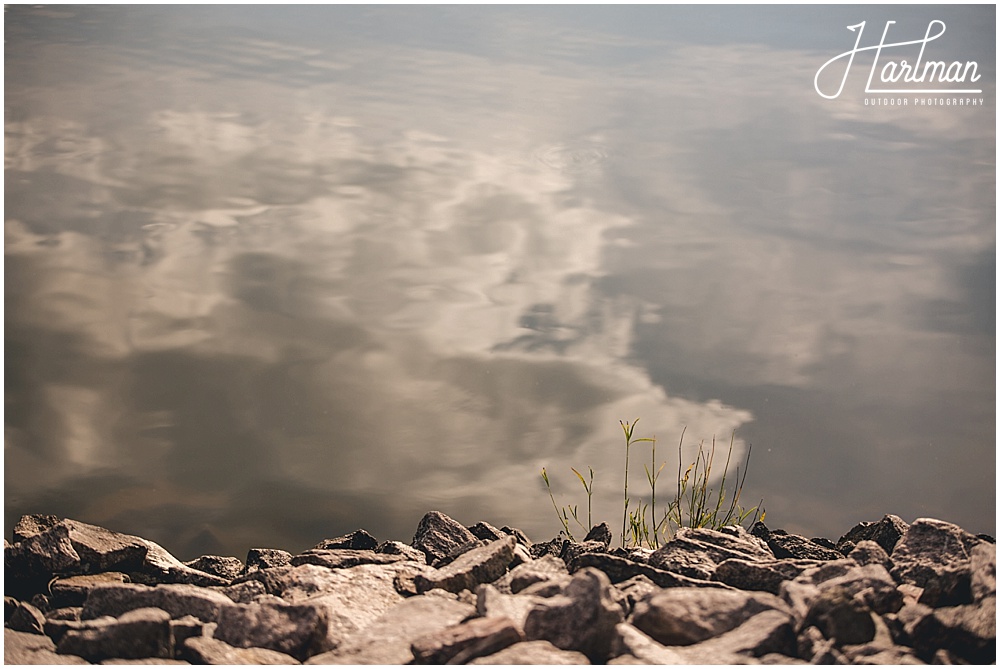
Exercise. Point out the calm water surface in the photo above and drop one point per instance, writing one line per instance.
(274, 274)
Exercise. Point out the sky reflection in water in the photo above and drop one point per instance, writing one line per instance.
(276, 274)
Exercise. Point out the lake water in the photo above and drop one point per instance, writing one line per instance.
(275, 274)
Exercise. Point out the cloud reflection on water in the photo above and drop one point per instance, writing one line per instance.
(263, 303)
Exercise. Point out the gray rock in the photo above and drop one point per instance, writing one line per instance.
(697, 552)
(573, 550)
(299, 630)
(635, 590)
(438, 535)
(684, 616)
(27, 648)
(388, 640)
(798, 547)
(767, 632)
(42, 554)
(136, 634)
(886, 533)
(840, 617)
(244, 592)
(176, 599)
(343, 558)
(871, 653)
(546, 568)
(73, 590)
(33, 525)
(600, 533)
(144, 660)
(266, 558)
(223, 567)
(205, 650)
(581, 619)
(552, 547)
(983, 565)
(399, 548)
(870, 583)
(619, 569)
(466, 641)
(481, 565)
(968, 631)
(521, 537)
(631, 641)
(816, 648)
(936, 556)
(867, 551)
(186, 628)
(533, 652)
(491, 603)
(521, 556)
(358, 540)
(765, 575)
(27, 618)
(486, 532)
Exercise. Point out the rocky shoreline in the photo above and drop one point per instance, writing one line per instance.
(887, 592)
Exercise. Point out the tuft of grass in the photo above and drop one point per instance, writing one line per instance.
(695, 504)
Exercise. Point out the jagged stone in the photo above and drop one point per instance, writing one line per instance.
(521, 537)
(551, 547)
(813, 646)
(456, 553)
(481, 565)
(176, 599)
(299, 630)
(798, 547)
(765, 576)
(389, 638)
(867, 551)
(244, 592)
(144, 660)
(27, 618)
(936, 556)
(136, 634)
(533, 652)
(870, 583)
(886, 533)
(968, 631)
(573, 550)
(486, 532)
(223, 567)
(491, 603)
(399, 548)
(684, 616)
(983, 565)
(27, 648)
(840, 617)
(871, 653)
(466, 641)
(521, 556)
(205, 650)
(358, 540)
(343, 558)
(629, 640)
(697, 552)
(438, 535)
(546, 568)
(635, 590)
(600, 533)
(73, 590)
(770, 631)
(546, 589)
(619, 569)
(583, 618)
(185, 628)
(266, 558)
(32, 525)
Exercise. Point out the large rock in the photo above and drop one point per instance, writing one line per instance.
(358, 540)
(841, 617)
(631, 641)
(388, 640)
(206, 650)
(399, 548)
(114, 599)
(583, 618)
(697, 552)
(546, 568)
(26, 618)
(886, 533)
(765, 575)
(27, 648)
(968, 631)
(619, 569)
(533, 652)
(491, 603)
(762, 634)
(870, 584)
(983, 565)
(137, 634)
(437, 536)
(266, 558)
(481, 565)
(466, 641)
(223, 567)
(299, 630)
(797, 547)
(73, 590)
(344, 558)
(684, 616)
(936, 556)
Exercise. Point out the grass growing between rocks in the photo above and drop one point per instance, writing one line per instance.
(695, 504)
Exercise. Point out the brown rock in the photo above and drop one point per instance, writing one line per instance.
(466, 641)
